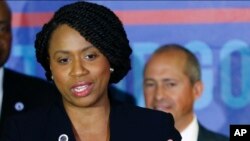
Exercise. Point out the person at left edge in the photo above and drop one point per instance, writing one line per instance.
(18, 92)
(83, 49)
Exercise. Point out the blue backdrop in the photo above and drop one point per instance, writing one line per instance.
(218, 32)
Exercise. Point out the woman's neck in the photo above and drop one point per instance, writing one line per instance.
(91, 123)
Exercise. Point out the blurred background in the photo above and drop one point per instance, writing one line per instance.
(218, 32)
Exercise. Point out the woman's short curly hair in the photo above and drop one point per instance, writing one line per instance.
(98, 25)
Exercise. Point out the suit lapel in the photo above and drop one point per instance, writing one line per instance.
(59, 125)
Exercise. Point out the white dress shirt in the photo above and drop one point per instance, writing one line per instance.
(191, 132)
(1, 88)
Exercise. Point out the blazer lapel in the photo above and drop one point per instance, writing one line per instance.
(59, 125)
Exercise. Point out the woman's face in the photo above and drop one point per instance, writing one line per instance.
(80, 71)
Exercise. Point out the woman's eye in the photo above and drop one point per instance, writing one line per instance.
(90, 57)
(63, 60)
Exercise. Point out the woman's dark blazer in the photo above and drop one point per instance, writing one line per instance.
(127, 123)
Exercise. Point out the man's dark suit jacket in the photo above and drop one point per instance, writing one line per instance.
(22, 93)
(207, 135)
(127, 123)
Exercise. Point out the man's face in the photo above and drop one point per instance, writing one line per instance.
(5, 33)
(167, 88)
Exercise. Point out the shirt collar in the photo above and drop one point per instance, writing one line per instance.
(1, 88)
(190, 133)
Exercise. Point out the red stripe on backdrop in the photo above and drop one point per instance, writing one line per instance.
(30, 19)
(151, 17)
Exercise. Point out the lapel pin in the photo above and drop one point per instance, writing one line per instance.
(19, 106)
(63, 137)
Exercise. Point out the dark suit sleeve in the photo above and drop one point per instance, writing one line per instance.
(169, 131)
(209, 135)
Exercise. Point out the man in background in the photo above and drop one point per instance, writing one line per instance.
(172, 83)
(18, 92)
